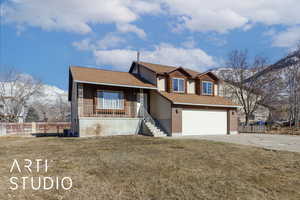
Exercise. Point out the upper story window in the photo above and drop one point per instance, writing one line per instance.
(207, 88)
(178, 84)
(113, 100)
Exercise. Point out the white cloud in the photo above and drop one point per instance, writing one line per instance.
(217, 40)
(289, 38)
(74, 15)
(270, 32)
(195, 15)
(110, 40)
(225, 15)
(194, 58)
(144, 7)
(247, 27)
(118, 58)
(84, 45)
(189, 43)
(125, 28)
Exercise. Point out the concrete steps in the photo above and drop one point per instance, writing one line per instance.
(156, 132)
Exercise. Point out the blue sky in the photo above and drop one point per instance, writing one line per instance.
(43, 38)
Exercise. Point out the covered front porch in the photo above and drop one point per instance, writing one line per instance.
(102, 101)
(113, 110)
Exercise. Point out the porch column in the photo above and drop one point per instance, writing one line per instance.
(80, 99)
(141, 101)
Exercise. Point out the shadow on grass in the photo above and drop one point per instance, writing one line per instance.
(52, 135)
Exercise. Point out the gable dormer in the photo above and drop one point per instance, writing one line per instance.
(207, 84)
(177, 80)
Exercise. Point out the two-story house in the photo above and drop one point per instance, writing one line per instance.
(150, 98)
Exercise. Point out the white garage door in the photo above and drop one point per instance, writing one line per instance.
(204, 122)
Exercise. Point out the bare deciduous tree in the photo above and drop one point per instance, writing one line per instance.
(62, 108)
(56, 111)
(15, 90)
(293, 91)
(250, 93)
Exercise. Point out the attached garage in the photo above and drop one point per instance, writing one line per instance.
(204, 122)
(193, 114)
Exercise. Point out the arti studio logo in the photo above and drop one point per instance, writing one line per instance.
(36, 182)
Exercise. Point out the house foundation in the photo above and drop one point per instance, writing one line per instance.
(93, 126)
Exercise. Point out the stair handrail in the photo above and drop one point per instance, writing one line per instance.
(145, 115)
(148, 118)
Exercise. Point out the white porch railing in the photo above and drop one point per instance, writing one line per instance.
(126, 112)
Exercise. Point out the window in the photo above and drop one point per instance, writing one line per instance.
(110, 100)
(178, 85)
(207, 88)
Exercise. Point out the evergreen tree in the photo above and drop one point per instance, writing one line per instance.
(32, 115)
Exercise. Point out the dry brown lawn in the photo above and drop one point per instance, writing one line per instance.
(145, 168)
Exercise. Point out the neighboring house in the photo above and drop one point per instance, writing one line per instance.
(262, 112)
(154, 99)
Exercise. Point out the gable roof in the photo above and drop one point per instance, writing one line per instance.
(166, 69)
(107, 77)
(162, 69)
(214, 76)
(198, 100)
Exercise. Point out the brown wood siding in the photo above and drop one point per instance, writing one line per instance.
(90, 99)
(169, 84)
(176, 74)
(176, 119)
(147, 74)
(206, 78)
(232, 120)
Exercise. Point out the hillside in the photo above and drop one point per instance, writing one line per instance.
(279, 66)
(49, 94)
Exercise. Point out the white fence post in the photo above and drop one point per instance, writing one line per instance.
(33, 127)
(2, 129)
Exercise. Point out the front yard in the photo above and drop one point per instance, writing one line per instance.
(136, 167)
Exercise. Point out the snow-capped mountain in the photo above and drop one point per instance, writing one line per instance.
(50, 102)
(49, 95)
(280, 66)
(223, 72)
(20, 86)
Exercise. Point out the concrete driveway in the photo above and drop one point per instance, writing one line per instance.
(275, 142)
